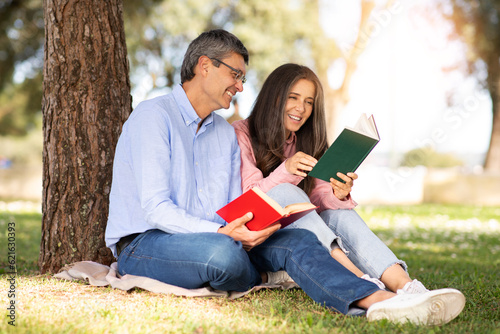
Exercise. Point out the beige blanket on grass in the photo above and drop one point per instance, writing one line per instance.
(101, 275)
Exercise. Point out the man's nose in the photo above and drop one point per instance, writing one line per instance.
(239, 86)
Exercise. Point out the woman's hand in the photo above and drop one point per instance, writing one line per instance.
(342, 190)
(300, 163)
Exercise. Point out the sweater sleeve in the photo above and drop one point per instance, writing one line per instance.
(251, 176)
(323, 197)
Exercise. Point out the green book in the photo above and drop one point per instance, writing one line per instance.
(348, 151)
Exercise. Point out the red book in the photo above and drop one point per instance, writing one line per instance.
(266, 211)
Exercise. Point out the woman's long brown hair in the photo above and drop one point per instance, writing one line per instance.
(266, 121)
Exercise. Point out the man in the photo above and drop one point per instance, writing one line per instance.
(177, 162)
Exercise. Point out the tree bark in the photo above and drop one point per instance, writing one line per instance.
(86, 99)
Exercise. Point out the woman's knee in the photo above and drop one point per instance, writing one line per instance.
(336, 218)
(286, 193)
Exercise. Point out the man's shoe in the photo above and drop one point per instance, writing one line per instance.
(278, 277)
(435, 307)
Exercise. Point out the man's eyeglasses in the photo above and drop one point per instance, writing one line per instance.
(239, 76)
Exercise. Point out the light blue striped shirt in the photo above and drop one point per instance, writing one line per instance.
(166, 175)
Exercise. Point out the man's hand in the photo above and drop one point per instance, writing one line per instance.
(239, 232)
(342, 190)
(299, 163)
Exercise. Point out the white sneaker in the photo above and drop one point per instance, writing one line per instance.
(374, 280)
(435, 307)
(414, 286)
(278, 277)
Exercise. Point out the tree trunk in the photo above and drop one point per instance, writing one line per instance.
(86, 99)
(492, 162)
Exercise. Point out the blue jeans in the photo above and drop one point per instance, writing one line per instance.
(190, 260)
(285, 194)
(194, 260)
(304, 258)
(360, 244)
(342, 227)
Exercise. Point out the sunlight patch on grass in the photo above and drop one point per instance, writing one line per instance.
(20, 207)
(437, 222)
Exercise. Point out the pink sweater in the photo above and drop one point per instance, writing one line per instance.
(322, 194)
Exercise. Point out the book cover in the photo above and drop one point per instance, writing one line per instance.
(266, 211)
(348, 151)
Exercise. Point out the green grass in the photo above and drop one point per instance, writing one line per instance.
(27, 223)
(455, 246)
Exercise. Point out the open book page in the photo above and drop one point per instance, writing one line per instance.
(269, 200)
(287, 210)
(366, 125)
(298, 207)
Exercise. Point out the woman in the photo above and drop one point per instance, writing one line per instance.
(280, 142)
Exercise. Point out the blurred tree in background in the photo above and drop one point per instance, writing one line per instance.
(477, 24)
(21, 42)
(275, 32)
(21, 60)
(158, 32)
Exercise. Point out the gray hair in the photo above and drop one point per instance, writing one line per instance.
(216, 43)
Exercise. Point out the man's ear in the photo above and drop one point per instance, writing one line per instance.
(204, 65)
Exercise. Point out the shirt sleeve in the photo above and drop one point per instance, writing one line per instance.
(323, 197)
(251, 176)
(150, 158)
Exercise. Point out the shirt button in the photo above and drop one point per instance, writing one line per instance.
(196, 163)
(201, 190)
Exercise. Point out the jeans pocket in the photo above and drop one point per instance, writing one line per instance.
(134, 249)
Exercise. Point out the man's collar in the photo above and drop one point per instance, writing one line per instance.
(186, 108)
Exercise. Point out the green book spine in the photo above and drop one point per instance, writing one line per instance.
(345, 155)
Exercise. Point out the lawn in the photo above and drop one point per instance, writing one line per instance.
(444, 246)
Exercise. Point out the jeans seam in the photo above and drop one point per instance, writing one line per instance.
(316, 283)
(357, 254)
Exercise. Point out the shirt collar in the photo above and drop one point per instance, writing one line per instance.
(188, 113)
(292, 139)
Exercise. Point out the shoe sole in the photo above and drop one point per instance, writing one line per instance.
(433, 308)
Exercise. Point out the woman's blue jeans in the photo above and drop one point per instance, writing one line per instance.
(344, 228)
(360, 244)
